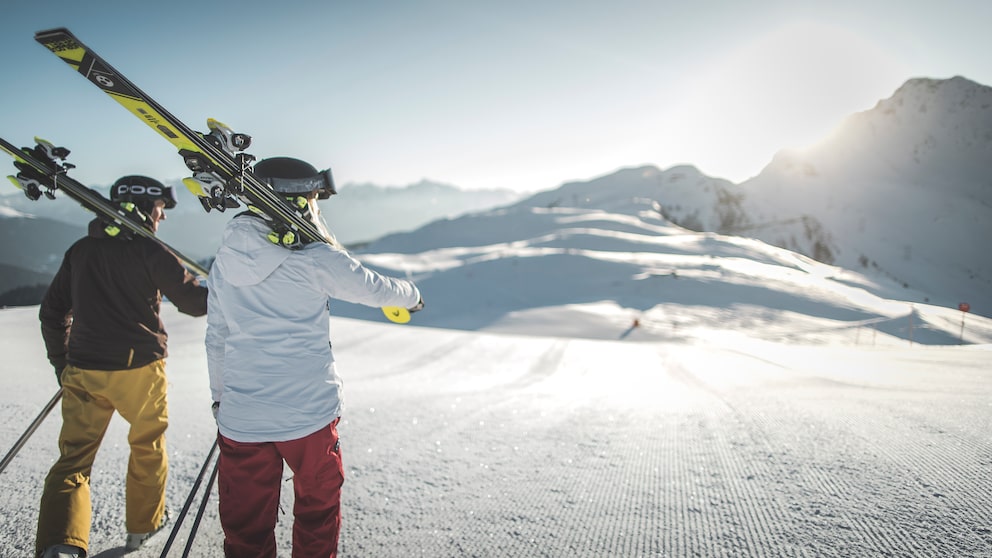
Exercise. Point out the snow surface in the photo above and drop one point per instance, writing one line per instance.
(462, 443)
(597, 382)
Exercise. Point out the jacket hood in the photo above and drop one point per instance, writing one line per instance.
(246, 256)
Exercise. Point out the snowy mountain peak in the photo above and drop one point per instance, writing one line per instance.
(926, 129)
(902, 189)
(929, 126)
(636, 190)
(954, 95)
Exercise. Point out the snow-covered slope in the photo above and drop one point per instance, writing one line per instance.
(460, 444)
(524, 266)
(901, 193)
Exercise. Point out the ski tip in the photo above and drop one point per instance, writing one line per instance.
(396, 314)
(44, 33)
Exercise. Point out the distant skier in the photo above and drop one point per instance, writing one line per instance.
(277, 395)
(104, 336)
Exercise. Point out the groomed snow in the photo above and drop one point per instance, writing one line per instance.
(586, 383)
(462, 443)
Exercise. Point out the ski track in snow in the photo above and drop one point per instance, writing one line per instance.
(471, 444)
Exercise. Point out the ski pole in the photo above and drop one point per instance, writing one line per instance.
(189, 500)
(199, 511)
(27, 433)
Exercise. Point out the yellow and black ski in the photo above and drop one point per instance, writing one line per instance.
(42, 171)
(221, 171)
(222, 175)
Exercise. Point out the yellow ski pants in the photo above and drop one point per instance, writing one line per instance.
(89, 399)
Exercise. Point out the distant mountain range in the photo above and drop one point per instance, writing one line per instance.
(32, 249)
(365, 212)
(900, 192)
(39, 232)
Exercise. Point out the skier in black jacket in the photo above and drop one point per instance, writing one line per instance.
(104, 336)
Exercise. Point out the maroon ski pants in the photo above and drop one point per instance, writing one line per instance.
(250, 475)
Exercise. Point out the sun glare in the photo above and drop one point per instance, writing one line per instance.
(786, 89)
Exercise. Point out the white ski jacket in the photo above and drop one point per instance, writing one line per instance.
(270, 362)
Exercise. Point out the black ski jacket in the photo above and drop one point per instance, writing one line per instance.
(101, 311)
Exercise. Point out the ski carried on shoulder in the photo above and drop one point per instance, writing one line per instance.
(42, 170)
(222, 176)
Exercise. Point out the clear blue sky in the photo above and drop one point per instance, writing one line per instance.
(515, 94)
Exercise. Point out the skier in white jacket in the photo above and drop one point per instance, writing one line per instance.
(272, 377)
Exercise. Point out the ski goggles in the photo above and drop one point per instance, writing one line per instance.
(322, 183)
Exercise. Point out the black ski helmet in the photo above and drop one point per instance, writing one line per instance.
(292, 176)
(142, 191)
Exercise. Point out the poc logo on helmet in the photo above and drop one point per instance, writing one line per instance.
(139, 190)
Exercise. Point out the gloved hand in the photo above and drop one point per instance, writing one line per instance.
(214, 408)
(417, 308)
(58, 374)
